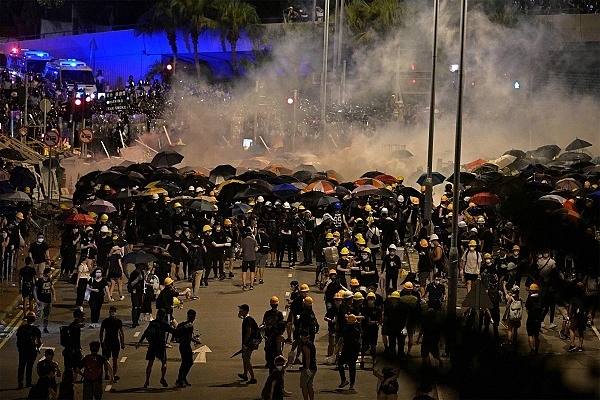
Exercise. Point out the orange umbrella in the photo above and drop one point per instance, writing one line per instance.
(79, 219)
(369, 181)
(334, 175)
(485, 199)
(387, 179)
(570, 205)
(278, 169)
(321, 186)
(474, 164)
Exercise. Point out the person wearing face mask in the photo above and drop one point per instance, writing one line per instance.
(501, 263)
(39, 253)
(104, 244)
(343, 266)
(368, 270)
(471, 264)
(372, 315)
(97, 287)
(550, 283)
(44, 293)
(68, 250)
(88, 249)
(177, 248)
(390, 265)
(435, 293)
(517, 258)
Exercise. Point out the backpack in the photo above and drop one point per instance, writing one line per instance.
(154, 333)
(65, 336)
(494, 294)
(515, 312)
(92, 368)
(591, 286)
(25, 338)
(374, 237)
(537, 309)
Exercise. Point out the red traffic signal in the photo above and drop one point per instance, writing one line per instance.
(77, 102)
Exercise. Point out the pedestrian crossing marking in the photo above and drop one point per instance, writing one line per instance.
(290, 275)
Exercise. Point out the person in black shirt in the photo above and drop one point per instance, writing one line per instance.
(349, 341)
(185, 333)
(44, 293)
(249, 333)
(177, 248)
(372, 315)
(155, 333)
(42, 366)
(271, 320)
(27, 276)
(72, 351)
(103, 245)
(43, 387)
(391, 265)
(38, 251)
(309, 365)
(68, 250)
(135, 286)
(112, 339)
(98, 287)
(29, 338)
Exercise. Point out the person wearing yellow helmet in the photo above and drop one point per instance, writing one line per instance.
(178, 249)
(295, 310)
(425, 265)
(470, 264)
(272, 318)
(307, 319)
(344, 266)
(349, 341)
(330, 258)
(372, 315)
(535, 315)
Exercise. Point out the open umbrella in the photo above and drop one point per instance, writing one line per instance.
(303, 176)
(369, 181)
(79, 219)
(251, 192)
(157, 239)
(278, 169)
(166, 158)
(321, 186)
(365, 190)
(551, 201)
(100, 207)
(475, 163)
(485, 199)
(485, 168)
(201, 205)
(548, 151)
(504, 160)
(153, 191)
(138, 257)
(11, 154)
(567, 184)
(436, 178)
(259, 183)
(254, 163)
(326, 201)
(408, 191)
(577, 144)
(305, 167)
(285, 187)
(299, 185)
(595, 196)
(239, 209)
(516, 153)
(571, 156)
(15, 196)
(221, 173)
(371, 174)
(21, 177)
(387, 179)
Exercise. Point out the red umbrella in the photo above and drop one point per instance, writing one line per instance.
(387, 179)
(485, 199)
(369, 181)
(79, 219)
(474, 164)
(321, 186)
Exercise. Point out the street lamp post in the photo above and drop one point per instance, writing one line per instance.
(453, 268)
(324, 71)
(429, 180)
(295, 121)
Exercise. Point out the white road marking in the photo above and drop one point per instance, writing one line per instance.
(201, 354)
(284, 313)
(290, 275)
(287, 294)
(12, 326)
(123, 359)
(136, 334)
(107, 388)
(596, 331)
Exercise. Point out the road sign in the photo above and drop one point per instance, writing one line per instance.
(86, 135)
(45, 106)
(51, 138)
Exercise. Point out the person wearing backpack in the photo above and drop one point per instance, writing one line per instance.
(91, 369)
(29, 339)
(271, 319)
(155, 333)
(70, 339)
(515, 314)
(471, 264)
(535, 310)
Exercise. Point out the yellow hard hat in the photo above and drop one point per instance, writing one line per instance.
(274, 300)
(28, 189)
(344, 251)
(471, 204)
(450, 207)
(358, 235)
(104, 218)
(354, 282)
(516, 247)
(338, 295)
(177, 205)
(351, 319)
(301, 207)
(415, 200)
(358, 220)
(366, 250)
(168, 281)
(423, 243)
(329, 235)
(304, 287)
(371, 295)
(586, 185)
(19, 215)
(358, 296)
(93, 214)
(176, 302)
(106, 187)
(167, 199)
(361, 241)
(336, 234)
(395, 294)
(370, 219)
(534, 286)
(449, 214)
(332, 271)
(89, 228)
(408, 285)
(206, 228)
(487, 255)
(227, 222)
(368, 208)
(444, 198)
(472, 243)
(308, 301)
(400, 178)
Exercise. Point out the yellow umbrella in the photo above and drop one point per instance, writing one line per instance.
(151, 191)
(152, 185)
(210, 199)
(227, 182)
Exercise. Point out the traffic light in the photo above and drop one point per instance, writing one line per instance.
(167, 72)
(87, 108)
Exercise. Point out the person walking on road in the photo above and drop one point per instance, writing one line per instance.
(250, 334)
(27, 276)
(196, 264)
(136, 286)
(91, 369)
(44, 294)
(535, 311)
(309, 365)
(578, 316)
(97, 287)
(249, 249)
(112, 339)
(272, 318)
(349, 342)
(185, 333)
(155, 333)
(29, 339)
(39, 252)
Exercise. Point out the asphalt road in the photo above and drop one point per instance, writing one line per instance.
(214, 373)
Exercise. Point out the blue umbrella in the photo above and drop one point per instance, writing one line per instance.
(436, 178)
(594, 195)
(285, 190)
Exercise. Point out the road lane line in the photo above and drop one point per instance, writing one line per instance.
(287, 294)
(290, 275)
(13, 328)
(593, 328)
(123, 359)
(136, 334)
(107, 388)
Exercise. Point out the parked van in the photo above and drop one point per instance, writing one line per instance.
(22, 61)
(62, 73)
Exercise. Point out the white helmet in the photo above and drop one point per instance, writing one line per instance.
(474, 230)
(481, 220)
(467, 199)
(400, 198)
(392, 247)
(434, 237)
(155, 196)
(462, 224)
(384, 210)
(286, 205)
(260, 199)
(104, 229)
(268, 203)
(327, 217)
(199, 189)
(191, 189)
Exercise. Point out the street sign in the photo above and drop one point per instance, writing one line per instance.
(45, 106)
(51, 138)
(86, 135)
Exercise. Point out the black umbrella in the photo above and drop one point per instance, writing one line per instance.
(326, 201)
(251, 192)
(201, 205)
(143, 168)
(248, 175)
(516, 153)
(15, 196)
(21, 177)
(532, 169)
(577, 144)
(138, 257)
(309, 199)
(259, 183)
(436, 178)
(226, 171)
(303, 176)
(305, 167)
(371, 174)
(408, 191)
(11, 154)
(572, 156)
(230, 190)
(548, 151)
(119, 168)
(466, 178)
(157, 240)
(166, 158)
(239, 209)
(107, 177)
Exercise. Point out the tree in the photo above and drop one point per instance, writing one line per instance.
(160, 19)
(192, 14)
(369, 21)
(234, 16)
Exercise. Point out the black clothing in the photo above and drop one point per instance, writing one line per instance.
(38, 252)
(111, 328)
(28, 338)
(44, 290)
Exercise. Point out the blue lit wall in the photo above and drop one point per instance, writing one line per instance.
(120, 53)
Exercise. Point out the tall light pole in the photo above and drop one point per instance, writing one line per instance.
(324, 71)
(453, 268)
(429, 180)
